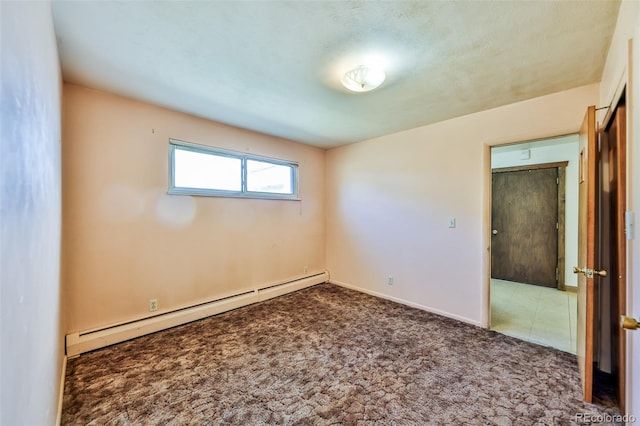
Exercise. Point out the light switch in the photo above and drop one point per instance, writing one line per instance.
(452, 222)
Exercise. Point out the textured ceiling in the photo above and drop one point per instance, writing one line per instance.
(275, 66)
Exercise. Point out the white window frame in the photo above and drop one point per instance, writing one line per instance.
(243, 157)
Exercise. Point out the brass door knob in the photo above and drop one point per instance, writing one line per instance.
(589, 272)
(628, 323)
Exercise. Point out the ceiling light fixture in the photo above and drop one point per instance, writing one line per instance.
(363, 78)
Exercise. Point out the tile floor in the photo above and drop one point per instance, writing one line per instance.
(537, 314)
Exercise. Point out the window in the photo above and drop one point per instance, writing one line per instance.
(202, 170)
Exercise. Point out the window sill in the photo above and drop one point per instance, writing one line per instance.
(192, 193)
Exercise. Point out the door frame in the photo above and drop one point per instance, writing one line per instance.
(560, 234)
(619, 239)
(485, 302)
(623, 89)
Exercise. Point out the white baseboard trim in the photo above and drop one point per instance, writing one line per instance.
(63, 375)
(408, 303)
(81, 342)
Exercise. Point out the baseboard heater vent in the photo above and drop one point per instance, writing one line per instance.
(78, 343)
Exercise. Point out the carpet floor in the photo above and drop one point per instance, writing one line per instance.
(327, 355)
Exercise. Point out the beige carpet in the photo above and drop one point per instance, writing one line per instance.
(326, 356)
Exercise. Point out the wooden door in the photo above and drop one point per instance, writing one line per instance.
(524, 243)
(588, 161)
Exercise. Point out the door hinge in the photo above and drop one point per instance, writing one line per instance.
(557, 275)
(557, 181)
(557, 225)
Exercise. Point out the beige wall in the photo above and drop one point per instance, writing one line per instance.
(126, 241)
(32, 341)
(614, 75)
(622, 68)
(389, 201)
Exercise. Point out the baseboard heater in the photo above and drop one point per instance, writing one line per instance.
(78, 343)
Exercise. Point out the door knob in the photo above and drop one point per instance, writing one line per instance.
(494, 232)
(589, 272)
(629, 323)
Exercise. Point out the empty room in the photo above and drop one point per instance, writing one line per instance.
(283, 212)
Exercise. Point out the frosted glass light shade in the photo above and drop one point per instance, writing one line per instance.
(363, 78)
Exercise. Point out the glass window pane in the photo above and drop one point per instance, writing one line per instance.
(206, 171)
(263, 176)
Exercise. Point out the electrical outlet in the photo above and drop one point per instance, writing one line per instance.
(153, 305)
(390, 280)
(306, 269)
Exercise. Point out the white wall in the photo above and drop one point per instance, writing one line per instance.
(31, 338)
(389, 201)
(563, 148)
(126, 241)
(623, 67)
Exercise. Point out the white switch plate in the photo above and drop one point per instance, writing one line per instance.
(452, 222)
(628, 225)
